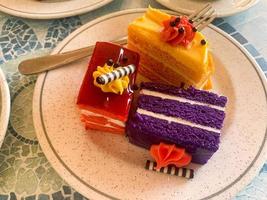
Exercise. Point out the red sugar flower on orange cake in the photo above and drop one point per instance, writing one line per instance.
(178, 31)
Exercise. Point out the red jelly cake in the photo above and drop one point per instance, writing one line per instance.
(105, 95)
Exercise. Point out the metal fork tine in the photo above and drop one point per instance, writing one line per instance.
(196, 14)
(204, 18)
(202, 14)
(198, 11)
(203, 25)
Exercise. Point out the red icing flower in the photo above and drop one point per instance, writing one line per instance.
(166, 154)
(177, 31)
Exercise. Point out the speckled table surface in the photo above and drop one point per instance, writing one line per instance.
(24, 171)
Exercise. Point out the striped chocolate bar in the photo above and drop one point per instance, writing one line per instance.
(116, 74)
(171, 170)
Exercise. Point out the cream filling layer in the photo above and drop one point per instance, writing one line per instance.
(106, 125)
(176, 120)
(157, 59)
(180, 99)
(89, 113)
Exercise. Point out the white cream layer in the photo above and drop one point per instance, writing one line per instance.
(106, 125)
(176, 120)
(115, 121)
(180, 99)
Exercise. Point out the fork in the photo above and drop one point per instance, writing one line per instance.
(200, 19)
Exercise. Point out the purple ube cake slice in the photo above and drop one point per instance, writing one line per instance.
(189, 118)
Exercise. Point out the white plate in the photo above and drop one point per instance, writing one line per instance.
(4, 106)
(103, 165)
(49, 9)
(223, 7)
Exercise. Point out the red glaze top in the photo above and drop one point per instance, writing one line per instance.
(166, 154)
(109, 104)
(173, 36)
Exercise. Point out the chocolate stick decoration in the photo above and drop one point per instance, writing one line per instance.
(116, 74)
(171, 170)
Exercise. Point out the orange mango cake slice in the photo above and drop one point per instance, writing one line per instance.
(172, 51)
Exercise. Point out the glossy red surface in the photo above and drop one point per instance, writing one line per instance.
(92, 98)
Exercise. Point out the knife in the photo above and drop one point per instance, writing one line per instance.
(46, 63)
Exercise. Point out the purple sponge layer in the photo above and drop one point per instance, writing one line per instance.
(190, 93)
(194, 113)
(144, 131)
